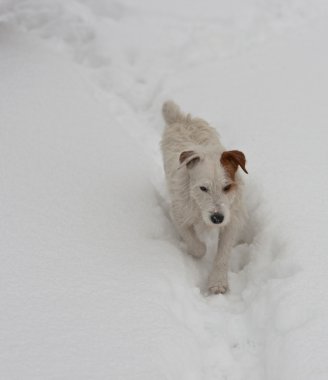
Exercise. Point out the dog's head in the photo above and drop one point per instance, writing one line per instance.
(212, 182)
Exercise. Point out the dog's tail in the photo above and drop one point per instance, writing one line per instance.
(171, 112)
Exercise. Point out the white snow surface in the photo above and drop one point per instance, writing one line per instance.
(95, 282)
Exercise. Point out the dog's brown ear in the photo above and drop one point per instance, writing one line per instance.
(231, 159)
(189, 158)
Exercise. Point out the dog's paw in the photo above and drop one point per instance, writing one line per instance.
(218, 284)
(218, 289)
(198, 251)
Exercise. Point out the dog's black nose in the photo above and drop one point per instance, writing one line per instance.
(217, 218)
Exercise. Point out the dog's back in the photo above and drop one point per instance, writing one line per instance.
(184, 133)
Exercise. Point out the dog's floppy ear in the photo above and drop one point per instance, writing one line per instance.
(231, 159)
(189, 158)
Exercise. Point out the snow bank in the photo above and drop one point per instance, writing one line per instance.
(84, 275)
(96, 283)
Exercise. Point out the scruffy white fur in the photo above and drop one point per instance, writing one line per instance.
(196, 181)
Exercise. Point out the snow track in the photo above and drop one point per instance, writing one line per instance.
(97, 283)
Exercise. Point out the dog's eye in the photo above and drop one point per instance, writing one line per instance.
(203, 188)
(227, 188)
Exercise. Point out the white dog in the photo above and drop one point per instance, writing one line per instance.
(204, 186)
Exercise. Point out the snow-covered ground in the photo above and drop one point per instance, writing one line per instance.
(95, 283)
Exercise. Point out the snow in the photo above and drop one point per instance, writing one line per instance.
(95, 282)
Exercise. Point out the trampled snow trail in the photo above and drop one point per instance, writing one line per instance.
(226, 63)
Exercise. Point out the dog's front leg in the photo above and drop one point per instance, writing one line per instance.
(195, 247)
(218, 279)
